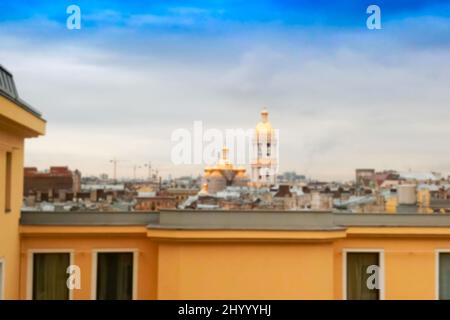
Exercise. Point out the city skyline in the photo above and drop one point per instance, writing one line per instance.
(223, 153)
(342, 96)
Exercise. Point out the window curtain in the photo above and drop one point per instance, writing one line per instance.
(115, 276)
(50, 277)
(357, 264)
(444, 276)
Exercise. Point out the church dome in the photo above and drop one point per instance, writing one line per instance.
(224, 174)
(215, 174)
(208, 171)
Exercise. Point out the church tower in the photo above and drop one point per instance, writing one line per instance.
(265, 153)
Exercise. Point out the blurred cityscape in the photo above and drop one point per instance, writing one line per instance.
(66, 189)
(226, 186)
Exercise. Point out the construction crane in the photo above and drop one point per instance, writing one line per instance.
(153, 173)
(149, 165)
(114, 162)
(135, 167)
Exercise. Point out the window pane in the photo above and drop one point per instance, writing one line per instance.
(357, 275)
(50, 277)
(444, 276)
(115, 276)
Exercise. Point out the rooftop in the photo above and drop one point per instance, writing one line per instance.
(9, 91)
(236, 220)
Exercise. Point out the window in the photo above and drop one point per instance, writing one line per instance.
(444, 275)
(3, 80)
(50, 277)
(363, 278)
(2, 278)
(114, 276)
(8, 175)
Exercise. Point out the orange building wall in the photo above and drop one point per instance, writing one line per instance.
(179, 267)
(16, 124)
(83, 247)
(410, 265)
(9, 222)
(245, 270)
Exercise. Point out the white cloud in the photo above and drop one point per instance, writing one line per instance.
(339, 104)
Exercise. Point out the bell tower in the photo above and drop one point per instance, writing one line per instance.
(265, 153)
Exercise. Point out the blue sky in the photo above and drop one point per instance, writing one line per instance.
(334, 13)
(343, 96)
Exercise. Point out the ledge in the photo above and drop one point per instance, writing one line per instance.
(251, 235)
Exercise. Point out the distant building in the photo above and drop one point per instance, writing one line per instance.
(103, 186)
(420, 176)
(265, 144)
(365, 178)
(263, 167)
(52, 181)
(181, 194)
(291, 177)
(224, 174)
(385, 178)
(434, 198)
(187, 182)
(155, 203)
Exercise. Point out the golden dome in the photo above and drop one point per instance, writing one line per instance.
(264, 126)
(216, 173)
(241, 174)
(223, 171)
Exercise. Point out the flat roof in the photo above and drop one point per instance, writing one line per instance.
(236, 220)
(60, 218)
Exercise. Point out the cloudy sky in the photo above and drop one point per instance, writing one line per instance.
(342, 96)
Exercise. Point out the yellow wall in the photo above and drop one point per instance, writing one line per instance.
(245, 271)
(15, 125)
(9, 222)
(217, 266)
(20, 121)
(83, 246)
(409, 265)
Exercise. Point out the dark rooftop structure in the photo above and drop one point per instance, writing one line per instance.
(9, 91)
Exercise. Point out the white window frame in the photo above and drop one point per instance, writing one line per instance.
(3, 278)
(436, 266)
(30, 267)
(95, 253)
(363, 250)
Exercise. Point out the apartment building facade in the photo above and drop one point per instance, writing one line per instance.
(18, 121)
(179, 254)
